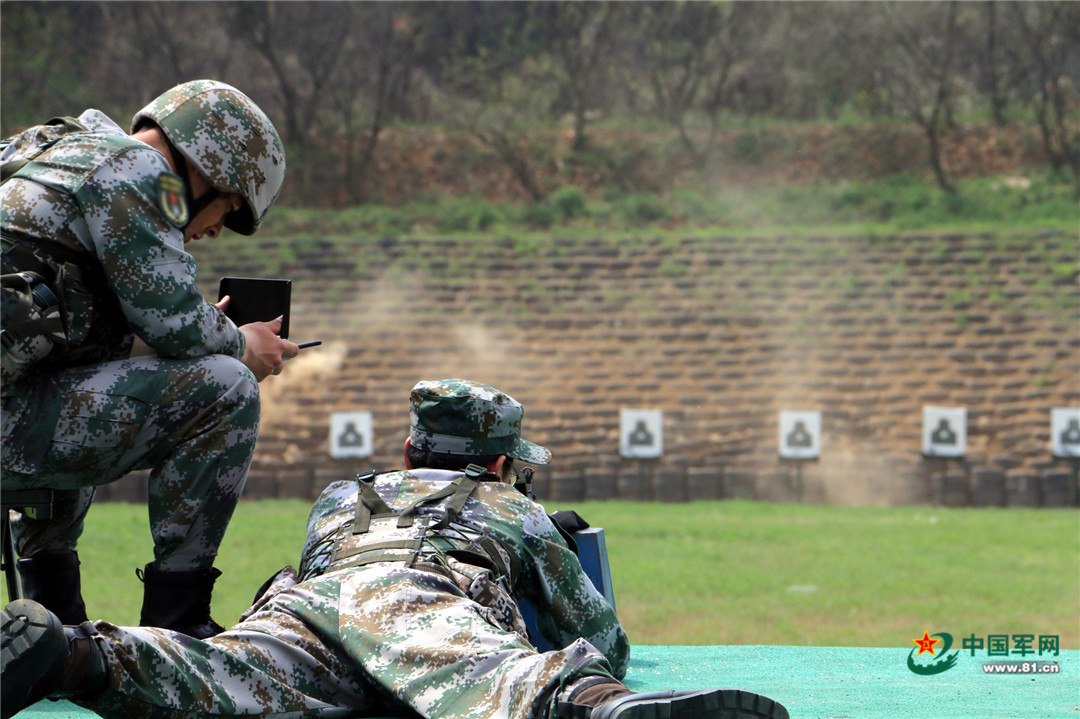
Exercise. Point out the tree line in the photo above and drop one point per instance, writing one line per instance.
(335, 75)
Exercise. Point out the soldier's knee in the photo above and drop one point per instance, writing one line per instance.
(220, 380)
(244, 376)
(225, 390)
(242, 387)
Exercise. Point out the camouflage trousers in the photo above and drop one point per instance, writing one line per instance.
(192, 422)
(380, 640)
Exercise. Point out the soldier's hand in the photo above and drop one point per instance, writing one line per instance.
(265, 352)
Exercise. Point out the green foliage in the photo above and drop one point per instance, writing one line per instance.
(374, 219)
(719, 572)
(465, 215)
(900, 202)
(50, 80)
(695, 207)
(564, 205)
(641, 210)
(909, 202)
(570, 201)
(1065, 270)
(539, 215)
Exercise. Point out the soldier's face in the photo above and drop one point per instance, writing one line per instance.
(209, 222)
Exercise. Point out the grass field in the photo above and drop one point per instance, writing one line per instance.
(723, 572)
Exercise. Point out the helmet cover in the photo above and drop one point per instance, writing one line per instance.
(230, 141)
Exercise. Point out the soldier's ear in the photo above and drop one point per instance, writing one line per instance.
(408, 444)
(501, 467)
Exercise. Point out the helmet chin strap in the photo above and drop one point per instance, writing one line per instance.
(195, 205)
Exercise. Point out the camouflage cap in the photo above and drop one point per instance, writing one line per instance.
(459, 416)
(229, 140)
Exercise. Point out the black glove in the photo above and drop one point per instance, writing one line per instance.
(569, 520)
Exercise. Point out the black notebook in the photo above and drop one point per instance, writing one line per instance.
(257, 300)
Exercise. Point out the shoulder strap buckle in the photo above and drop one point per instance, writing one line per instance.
(475, 471)
(368, 503)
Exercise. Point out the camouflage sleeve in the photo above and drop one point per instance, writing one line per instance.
(143, 257)
(568, 605)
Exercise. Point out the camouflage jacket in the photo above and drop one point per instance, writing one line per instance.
(546, 572)
(106, 193)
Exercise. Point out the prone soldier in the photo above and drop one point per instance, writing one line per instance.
(405, 604)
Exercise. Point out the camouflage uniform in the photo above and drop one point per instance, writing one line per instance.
(436, 632)
(190, 414)
(405, 604)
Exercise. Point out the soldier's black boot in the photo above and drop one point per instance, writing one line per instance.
(52, 579)
(40, 657)
(179, 601)
(605, 698)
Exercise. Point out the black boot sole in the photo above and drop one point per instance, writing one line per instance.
(31, 638)
(705, 704)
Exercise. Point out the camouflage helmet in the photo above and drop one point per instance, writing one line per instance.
(229, 140)
(459, 416)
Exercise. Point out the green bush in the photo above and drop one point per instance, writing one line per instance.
(539, 215)
(570, 201)
(612, 193)
(465, 214)
(638, 210)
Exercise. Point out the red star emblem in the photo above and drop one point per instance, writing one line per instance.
(926, 644)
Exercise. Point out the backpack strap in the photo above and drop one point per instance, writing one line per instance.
(368, 504)
(459, 492)
(69, 124)
(352, 550)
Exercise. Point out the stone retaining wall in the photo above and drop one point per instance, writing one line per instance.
(719, 332)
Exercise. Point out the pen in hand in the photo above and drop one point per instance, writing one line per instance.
(315, 343)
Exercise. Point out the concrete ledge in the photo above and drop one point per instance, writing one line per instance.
(863, 683)
(832, 683)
